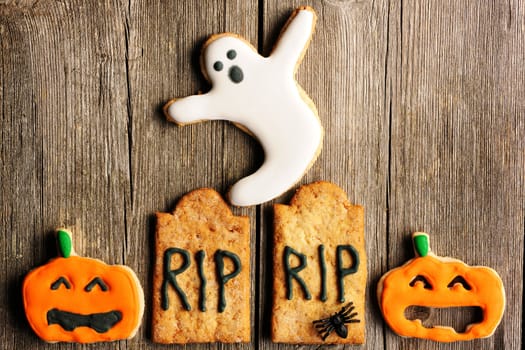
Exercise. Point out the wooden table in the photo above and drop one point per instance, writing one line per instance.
(423, 105)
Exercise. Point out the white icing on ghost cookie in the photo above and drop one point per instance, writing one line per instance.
(260, 95)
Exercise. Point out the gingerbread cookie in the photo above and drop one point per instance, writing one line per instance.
(77, 299)
(431, 281)
(201, 282)
(260, 95)
(319, 268)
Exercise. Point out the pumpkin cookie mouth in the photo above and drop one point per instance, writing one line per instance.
(459, 318)
(99, 322)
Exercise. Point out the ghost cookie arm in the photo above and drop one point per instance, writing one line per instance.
(295, 36)
(192, 109)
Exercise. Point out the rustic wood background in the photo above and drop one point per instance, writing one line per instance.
(423, 104)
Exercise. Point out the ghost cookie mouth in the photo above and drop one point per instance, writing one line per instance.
(235, 74)
(99, 322)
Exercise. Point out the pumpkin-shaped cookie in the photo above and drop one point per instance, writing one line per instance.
(437, 282)
(77, 299)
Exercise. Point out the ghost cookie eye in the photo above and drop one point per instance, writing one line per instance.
(218, 66)
(231, 54)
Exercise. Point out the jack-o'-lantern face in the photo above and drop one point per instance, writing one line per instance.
(435, 282)
(82, 300)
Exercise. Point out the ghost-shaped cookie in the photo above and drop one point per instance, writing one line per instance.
(261, 96)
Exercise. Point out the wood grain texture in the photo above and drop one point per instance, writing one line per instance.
(457, 144)
(64, 142)
(423, 105)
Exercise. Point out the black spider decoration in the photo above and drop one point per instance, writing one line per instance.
(337, 322)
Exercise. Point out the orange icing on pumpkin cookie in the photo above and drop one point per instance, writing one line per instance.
(77, 299)
(437, 282)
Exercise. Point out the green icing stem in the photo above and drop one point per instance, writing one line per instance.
(64, 243)
(421, 243)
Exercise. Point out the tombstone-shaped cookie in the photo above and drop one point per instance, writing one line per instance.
(319, 268)
(201, 284)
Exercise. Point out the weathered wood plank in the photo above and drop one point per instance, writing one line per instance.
(423, 106)
(64, 141)
(457, 144)
(165, 40)
(344, 73)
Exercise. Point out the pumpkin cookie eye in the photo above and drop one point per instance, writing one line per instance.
(460, 280)
(61, 281)
(421, 278)
(96, 281)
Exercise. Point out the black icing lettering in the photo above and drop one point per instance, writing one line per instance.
(218, 66)
(61, 281)
(231, 54)
(293, 273)
(342, 271)
(221, 277)
(199, 256)
(99, 322)
(322, 266)
(236, 75)
(97, 281)
(169, 277)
